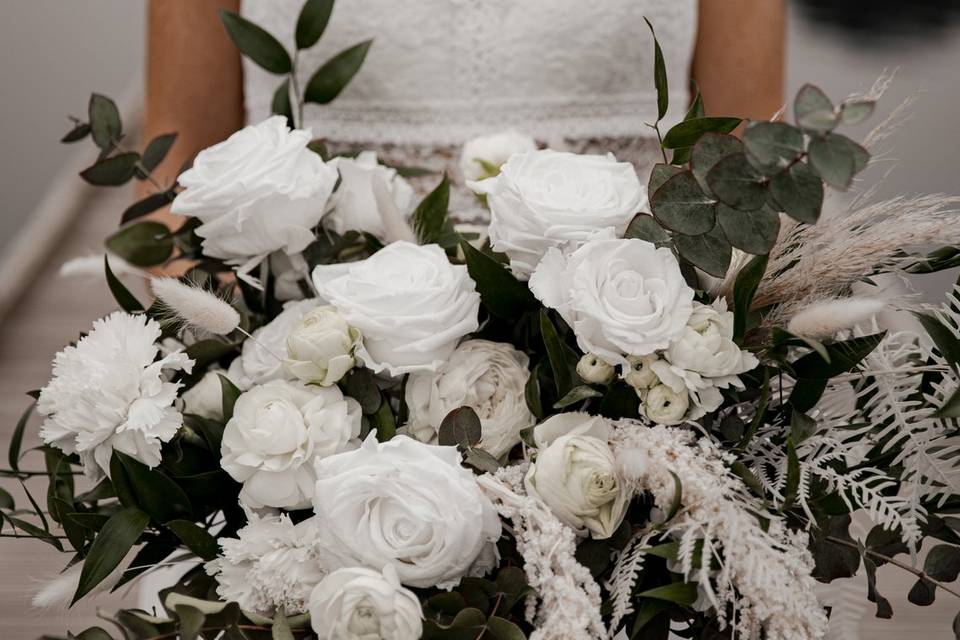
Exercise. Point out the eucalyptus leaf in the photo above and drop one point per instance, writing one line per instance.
(710, 251)
(113, 171)
(799, 193)
(773, 144)
(813, 109)
(332, 78)
(856, 111)
(708, 151)
(109, 548)
(360, 385)
(751, 231)
(157, 150)
(460, 427)
(736, 183)
(688, 132)
(80, 131)
(833, 160)
(147, 205)
(503, 629)
(943, 563)
(143, 244)
(312, 22)
(256, 43)
(681, 205)
(659, 174)
(644, 227)
(104, 117)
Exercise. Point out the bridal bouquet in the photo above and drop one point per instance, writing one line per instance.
(630, 406)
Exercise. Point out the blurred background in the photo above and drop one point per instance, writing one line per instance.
(53, 53)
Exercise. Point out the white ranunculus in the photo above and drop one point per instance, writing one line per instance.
(277, 432)
(593, 370)
(259, 191)
(619, 296)
(405, 504)
(706, 345)
(357, 603)
(354, 204)
(572, 423)
(320, 347)
(638, 372)
(550, 199)
(489, 377)
(205, 398)
(271, 564)
(410, 304)
(663, 405)
(576, 475)
(261, 360)
(483, 156)
(110, 392)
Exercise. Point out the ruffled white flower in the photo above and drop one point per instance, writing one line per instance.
(619, 296)
(663, 405)
(543, 199)
(271, 564)
(320, 347)
(259, 191)
(405, 504)
(354, 202)
(410, 304)
(362, 604)
(261, 360)
(277, 432)
(109, 392)
(593, 370)
(205, 398)
(638, 372)
(483, 156)
(490, 378)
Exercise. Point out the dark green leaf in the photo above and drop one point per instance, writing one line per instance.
(32, 530)
(481, 460)
(229, 393)
(312, 22)
(157, 150)
(708, 151)
(502, 629)
(113, 171)
(884, 610)
(834, 560)
(684, 593)
(105, 124)
(649, 610)
(430, 219)
(681, 205)
(844, 356)
(802, 426)
(256, 43)
(677, 501)
(113, 542)
(951, 407)
(710, 252)
(923, 593)
(660, 174)
(195, 538)
(562, 375)
(748, 477)
(773, 144)
(799, 193)
(94, 633)
(736, 183)
(6, 500)
(360, 385)
(127, 301)
(151, 203)
(575, 395)
(688, 132)
(813, 109)
(752, 231)
(644, 227)
(191, 622)
(79, 132)
(659, 76)
(330, 79)
(205, 352)
(502, 294)
(384, 422)
(280, 104)
(154, 491)
(16, 438)
(460, 427)
(886, 542)
(143, 244)
(946, 343)
(792, 486)
(835, 160)
(943, 563)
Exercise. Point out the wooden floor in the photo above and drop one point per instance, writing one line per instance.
(56, 310)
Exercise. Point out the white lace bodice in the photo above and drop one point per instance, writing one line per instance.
(442, 71)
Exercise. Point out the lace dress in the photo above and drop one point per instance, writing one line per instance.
(575, 75)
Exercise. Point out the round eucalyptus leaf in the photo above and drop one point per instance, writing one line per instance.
(681, 205)
(143, 244)
(736, 183)
(814, 110)
(856, 111)
(709, 150)
(659, 174)
(644, 227)
(798, 192)
(837, 158)
(773, 145)
(711, 252)
(751, 231)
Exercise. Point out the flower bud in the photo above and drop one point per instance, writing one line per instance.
(593, 370)
(320, 347)
(663, 405)
(640, 375)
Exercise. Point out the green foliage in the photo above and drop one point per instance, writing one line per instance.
(659, 76)
(430, 219)
(680, 205)
(501, 293)
(332, 78)
(113, 542)
(256, 43)
(105, 125)
(113, 171)
(143, 244)
(312, 22)
(460, 427)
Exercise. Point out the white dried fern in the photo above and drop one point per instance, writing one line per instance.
(624, 578)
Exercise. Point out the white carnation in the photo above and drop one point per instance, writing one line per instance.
(405, 504)
(410, 304)
(259, 191)
(483, 156)
(271, 564)
(543, 199)
(354, 202)
(490, 378)
(362, 604)
(277, 431)
(110, 392)
(260, 360)
(620, 297)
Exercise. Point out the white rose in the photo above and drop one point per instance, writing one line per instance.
(593, 370)
(572, 423)
(261, 360)
(488, 377)
(362, 604)
(483, 156)
(619, 296)
(410, 304)
(576, 476)
(638, 372)
(706, 344)
(354, 203)
(277, 431)
(260, 190)
(544, 199)
(663, 405)
(205, 398)
(405, 504)
(320, 347)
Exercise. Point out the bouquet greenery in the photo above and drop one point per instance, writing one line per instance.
(613, 417)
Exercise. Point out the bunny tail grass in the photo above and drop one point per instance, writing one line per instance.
(195, 307)
(827, 318)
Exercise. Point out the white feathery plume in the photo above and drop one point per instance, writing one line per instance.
(92, 266)
(827, 318)
(195, 307)
(58, 592)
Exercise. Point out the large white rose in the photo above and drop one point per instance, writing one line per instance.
(544, 199)
(277, 431)
(320, 347)
(405, 504)
(411, 305)
(362, 604)
(483, 156)
(354, 203)
(262, 359)
(575, 474)
(260, 190)
(620, 297)
(489, 377)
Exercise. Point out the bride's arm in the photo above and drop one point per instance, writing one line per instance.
(194, 81)
(739, 57)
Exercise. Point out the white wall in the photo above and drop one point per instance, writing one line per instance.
(53, 53)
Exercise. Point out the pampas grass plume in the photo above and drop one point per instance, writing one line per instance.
(195, 307)
(827, 318)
